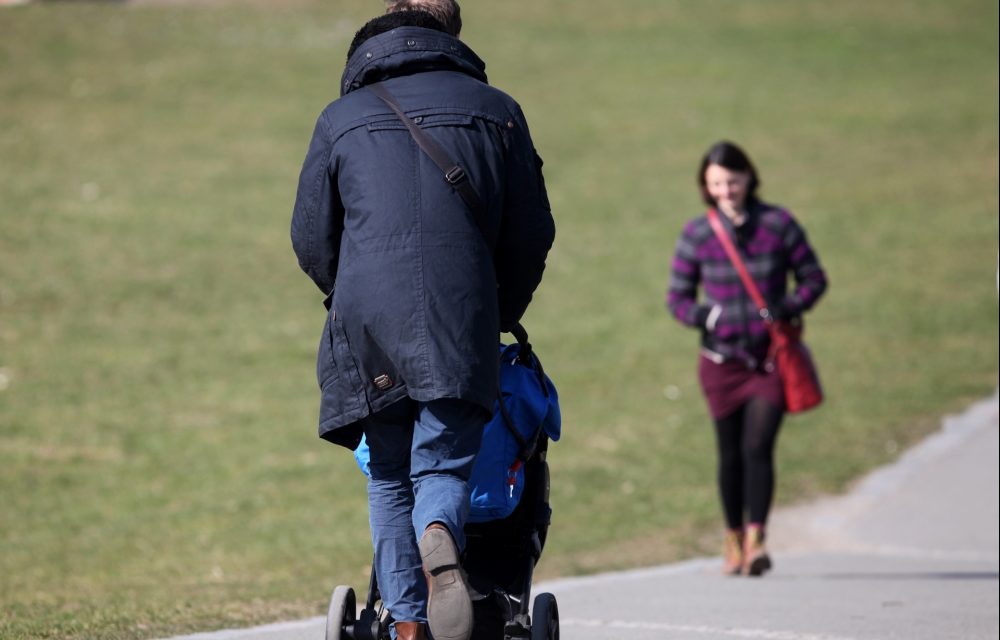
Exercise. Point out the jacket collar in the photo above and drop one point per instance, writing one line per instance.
(746, 230)
(408, 50)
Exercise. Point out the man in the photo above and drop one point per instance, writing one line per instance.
(418, 286)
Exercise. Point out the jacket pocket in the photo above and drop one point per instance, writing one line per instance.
(383, 384)
(423, 121)
(342, 392)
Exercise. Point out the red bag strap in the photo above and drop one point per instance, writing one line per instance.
(734, 257)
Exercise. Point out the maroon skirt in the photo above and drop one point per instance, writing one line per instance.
(729, 385)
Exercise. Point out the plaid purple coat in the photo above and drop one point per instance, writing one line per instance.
(772, 243)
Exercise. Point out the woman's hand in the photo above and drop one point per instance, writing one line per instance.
(781, 311)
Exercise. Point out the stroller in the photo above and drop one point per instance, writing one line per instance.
(509, 519)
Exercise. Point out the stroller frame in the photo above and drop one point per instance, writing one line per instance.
(499, 588)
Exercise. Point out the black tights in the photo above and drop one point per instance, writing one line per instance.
(746, 440)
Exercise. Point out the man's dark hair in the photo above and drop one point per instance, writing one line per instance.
(730, 156)
(447, 12)
(390, 21)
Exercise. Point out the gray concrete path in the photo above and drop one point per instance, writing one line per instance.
(912, 552)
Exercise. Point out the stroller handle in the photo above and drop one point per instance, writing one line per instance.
(521, 335)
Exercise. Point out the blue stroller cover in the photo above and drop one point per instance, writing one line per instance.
(528, 406)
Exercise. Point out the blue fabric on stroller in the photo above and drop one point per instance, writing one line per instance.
(527, 409)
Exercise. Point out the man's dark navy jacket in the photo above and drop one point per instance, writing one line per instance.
(418, 287)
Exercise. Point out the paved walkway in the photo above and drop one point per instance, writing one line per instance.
(911, 553)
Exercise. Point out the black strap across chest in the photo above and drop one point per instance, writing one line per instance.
(454, 174)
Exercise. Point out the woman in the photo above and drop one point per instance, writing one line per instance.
(743, 390)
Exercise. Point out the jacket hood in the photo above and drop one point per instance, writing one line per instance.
(408, 50)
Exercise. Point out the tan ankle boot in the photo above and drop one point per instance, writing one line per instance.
(755, 558)
(410, 631)
(732, 552)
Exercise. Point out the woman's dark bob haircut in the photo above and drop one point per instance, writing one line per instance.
(729, 156)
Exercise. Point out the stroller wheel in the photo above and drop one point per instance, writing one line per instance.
(545, 618)
(343, 608)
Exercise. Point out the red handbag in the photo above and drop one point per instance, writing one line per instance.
(788, 353)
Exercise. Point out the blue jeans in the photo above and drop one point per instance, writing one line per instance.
(421, 459)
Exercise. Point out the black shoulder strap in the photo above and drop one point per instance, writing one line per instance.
(454, 174)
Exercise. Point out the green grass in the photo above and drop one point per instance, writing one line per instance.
(159, 469)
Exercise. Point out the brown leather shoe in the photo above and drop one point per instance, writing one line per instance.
(410, 631)
(449, 600)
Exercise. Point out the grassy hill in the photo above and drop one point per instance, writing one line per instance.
(159, 468)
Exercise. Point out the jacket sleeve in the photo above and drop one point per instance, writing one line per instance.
(685, 275)
(318, 216)
(810, 278)
(527, 229)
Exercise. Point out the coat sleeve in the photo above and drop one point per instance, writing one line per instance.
(810, 278)
(318, 216)
(685, 275)
(527, 229)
